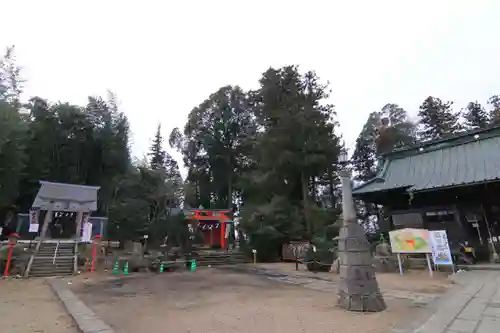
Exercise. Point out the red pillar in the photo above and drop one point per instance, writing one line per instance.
(222, 235)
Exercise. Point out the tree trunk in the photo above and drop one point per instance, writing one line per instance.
(305, 200)
(230, 190)
(331, 188)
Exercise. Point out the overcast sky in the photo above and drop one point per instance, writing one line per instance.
(162, 58)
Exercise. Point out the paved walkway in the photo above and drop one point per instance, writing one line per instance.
(472, 307)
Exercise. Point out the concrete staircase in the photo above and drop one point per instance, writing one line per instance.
(218, 258)
(54, 259)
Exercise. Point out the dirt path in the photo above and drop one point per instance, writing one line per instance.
(28, 306)
(417, 281)
(212, 300)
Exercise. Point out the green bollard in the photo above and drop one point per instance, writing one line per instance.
(125, 269)
(161, 268)
(116, 269)
(193, 265)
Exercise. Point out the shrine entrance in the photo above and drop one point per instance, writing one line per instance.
(64, 210)
(63, 225)
(215, 225)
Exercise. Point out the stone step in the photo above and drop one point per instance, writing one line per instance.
(480, 267)
(218, 258)
(53, 268)
(62, 255)
(52, 252)
(52, 262)
(48, 274)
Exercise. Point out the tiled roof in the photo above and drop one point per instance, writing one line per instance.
(465, 160)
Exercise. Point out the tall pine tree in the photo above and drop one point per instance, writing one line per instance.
(437, 119)
(156, 153)
(475, 116)
(365, 152)
(494, 101)
(384, 131)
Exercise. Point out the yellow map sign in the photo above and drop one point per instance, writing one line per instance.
(410, 241)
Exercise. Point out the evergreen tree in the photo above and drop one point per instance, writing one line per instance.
(475, 116)
(365, 152)
(383, 132)
(437, 119)
(157, 154)
(494, 101)
(12, 132)
(394, 130)
(173, 176)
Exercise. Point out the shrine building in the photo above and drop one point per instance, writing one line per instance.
(451, 184)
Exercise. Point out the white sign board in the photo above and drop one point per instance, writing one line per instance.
(441, 253)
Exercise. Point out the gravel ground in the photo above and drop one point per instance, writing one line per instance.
(212, 300)
(30, 306)
(417, 281)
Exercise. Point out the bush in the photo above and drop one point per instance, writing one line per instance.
(322, 259)
(267, 241)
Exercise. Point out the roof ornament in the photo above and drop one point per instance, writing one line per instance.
(410, 197)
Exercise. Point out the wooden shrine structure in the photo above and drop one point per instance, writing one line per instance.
(215, 224)
(53, 198)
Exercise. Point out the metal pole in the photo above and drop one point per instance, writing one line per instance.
(493, 250)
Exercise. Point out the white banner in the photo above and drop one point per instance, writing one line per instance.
(87, 232)
(441, 254)
(34, 225)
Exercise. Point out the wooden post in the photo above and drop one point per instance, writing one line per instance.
(46, 222)
(79, 219)
(400, 264)
(429, 266)
(78, 237)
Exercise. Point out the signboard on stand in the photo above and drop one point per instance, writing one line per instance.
(441, 253)
(411, 241)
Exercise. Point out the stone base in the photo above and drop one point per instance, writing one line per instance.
(361, 303)
(335, 268)
(358, 287)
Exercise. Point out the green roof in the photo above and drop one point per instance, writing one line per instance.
(467, 159)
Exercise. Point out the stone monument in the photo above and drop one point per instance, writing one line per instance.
(383, 260)
(358, 287)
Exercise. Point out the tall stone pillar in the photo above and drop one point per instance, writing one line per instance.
(358, 287)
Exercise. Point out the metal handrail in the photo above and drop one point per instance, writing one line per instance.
(55, 254)
(75, 258)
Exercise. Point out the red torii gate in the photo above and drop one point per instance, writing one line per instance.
(203, 217)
